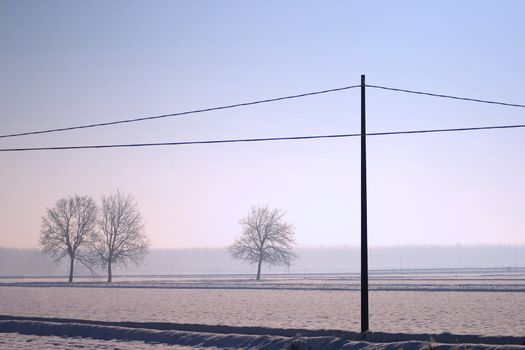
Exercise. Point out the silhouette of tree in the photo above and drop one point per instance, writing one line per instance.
(265, 238)
(67, 228)
(121, 236)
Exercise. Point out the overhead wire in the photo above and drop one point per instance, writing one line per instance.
(85, 126)
(265, 139)
(178, 114)
(244, 104)
(428, 131)
(446, 96)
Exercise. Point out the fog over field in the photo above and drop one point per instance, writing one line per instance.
(30, 262)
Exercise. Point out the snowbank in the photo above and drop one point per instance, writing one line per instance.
(237, 337)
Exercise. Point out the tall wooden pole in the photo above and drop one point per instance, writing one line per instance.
(364, 220)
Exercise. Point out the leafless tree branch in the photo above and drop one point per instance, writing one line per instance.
(67, 227)
(265, 238)
(120, 238)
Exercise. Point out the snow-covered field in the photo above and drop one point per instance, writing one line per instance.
(490, 313)
(468, 303)
(10, 341)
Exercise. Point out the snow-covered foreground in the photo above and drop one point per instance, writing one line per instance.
(488, 313)
(64, 335)
(10, 341)
(488, 303)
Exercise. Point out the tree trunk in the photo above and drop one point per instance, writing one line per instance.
(259, 269)
(71, 265)
(109, 271)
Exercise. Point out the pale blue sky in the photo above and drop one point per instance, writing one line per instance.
(64, 63)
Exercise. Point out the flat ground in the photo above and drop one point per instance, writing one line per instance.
(486, 304)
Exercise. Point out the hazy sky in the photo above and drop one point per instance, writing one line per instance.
(65, 63)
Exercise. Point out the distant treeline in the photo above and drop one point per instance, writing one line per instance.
(31, 262)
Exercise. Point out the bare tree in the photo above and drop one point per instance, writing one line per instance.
(121, 237)
(66, 229)
(265, 238)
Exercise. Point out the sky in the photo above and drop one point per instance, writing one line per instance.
(65, 63)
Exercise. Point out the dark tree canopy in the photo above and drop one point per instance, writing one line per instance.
(265, 238)
(67, 228)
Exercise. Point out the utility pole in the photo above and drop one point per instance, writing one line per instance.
(364, 219)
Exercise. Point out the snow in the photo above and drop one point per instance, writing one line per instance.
(314, 305)
(391, 281)
(488, 313)
(10, 341)
(85, 335)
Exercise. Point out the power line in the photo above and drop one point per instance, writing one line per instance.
(428, 131)
(447, 96)
(244, 104)
(181, 143)
(289, 138)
